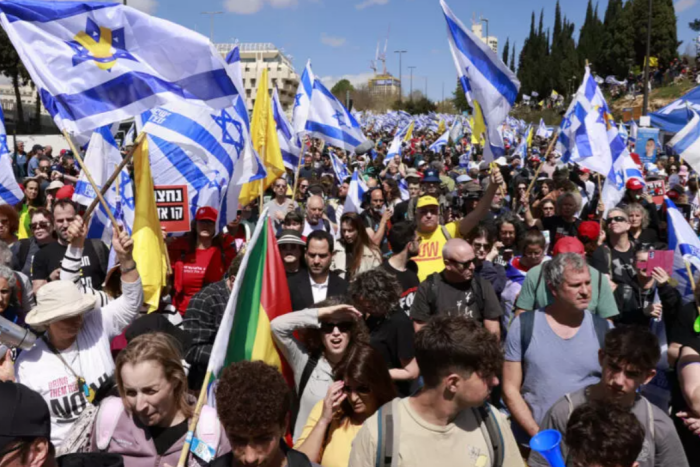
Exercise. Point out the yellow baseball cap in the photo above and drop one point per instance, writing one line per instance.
(424, 201)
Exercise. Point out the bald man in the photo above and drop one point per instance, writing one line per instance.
(457, 291)
(315, 207)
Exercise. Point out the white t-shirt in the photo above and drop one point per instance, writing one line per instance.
(308, 228)
(90, 357)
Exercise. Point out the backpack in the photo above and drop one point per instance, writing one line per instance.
(389, 434)
(208, 427)
(433, 291)
(527, 326)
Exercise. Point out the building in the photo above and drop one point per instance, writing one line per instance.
(255, 57)
(384, 85)
(492, 41)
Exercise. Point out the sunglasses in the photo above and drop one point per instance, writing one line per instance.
(329, 327)
(480, 246)
(39, 225)
(463, 264)
(363, 390)
(303, 187)
(617, 219)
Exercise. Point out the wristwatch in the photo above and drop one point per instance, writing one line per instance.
(129, 269)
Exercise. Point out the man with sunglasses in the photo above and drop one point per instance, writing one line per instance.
(457, 291)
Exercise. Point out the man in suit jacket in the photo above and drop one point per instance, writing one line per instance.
(316, 282)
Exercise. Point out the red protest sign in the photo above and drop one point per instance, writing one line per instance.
(173, 207)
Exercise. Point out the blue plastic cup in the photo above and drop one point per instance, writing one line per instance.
(547, 443)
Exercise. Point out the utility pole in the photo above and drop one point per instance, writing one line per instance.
(400, 52)
(410, 96)
(211, 22)
(645, 104)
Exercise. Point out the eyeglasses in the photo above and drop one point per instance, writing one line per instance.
(617, 219)
(480, 246)
(39, 225)
(303, 187)
(363, 390)
(329, 327)
(463, 264)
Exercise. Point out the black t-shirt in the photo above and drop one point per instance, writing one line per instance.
(392, 337)
(623, 266)
(600, 259)
(165, 437)
(681, 329)
(409, 283)
(558, 228)
(646, 237)
(49, 258)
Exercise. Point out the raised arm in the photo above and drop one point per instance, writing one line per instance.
(472, 219)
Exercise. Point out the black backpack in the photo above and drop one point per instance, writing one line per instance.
(527, 326)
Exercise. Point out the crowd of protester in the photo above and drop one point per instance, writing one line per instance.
(466, 308)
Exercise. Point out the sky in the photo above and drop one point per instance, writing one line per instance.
(340, 36)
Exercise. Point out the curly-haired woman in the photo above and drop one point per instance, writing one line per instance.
(362, 385)
(376, 295)
(327, 332)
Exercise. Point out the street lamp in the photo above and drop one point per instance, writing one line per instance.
(211, 22)
(410, 95)
(645, 104)
(400, 52)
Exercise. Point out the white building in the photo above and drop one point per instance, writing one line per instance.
(255, 57)
(492, 41)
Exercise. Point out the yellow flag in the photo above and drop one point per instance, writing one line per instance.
(529, 137)
(263, 133)
(479, 127)
(441, 127)
(149, 248)
(409, 132)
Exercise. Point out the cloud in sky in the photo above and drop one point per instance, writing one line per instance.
(248, 7)
(355, 80)
(368, 3)
(683, 5)
(332, 41)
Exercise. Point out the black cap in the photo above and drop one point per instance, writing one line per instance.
(91, 459)
(25, 414)
(156, 322)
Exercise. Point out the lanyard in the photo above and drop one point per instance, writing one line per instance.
(88, 392)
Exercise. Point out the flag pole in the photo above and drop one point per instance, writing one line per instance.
(262, 183)
(696, 325)
(195, 419)
(555, 137)
(296, 175)
(113, 177)
(85, 170)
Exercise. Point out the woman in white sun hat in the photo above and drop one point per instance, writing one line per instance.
(72, 360)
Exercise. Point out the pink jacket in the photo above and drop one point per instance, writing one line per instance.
(130, 439)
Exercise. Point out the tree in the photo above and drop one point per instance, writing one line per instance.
(617, 41)
(695, 25)
(11, 66)
(459, 99)
(504, 57)
(589, 44)
(340, 89)
(664, 36)
(419, 104)
(512, 59)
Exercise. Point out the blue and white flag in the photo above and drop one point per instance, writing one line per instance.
(233, 61)
(356, 190)
(624, 134)
(484, 77)
(96, 63)
(685, 244)
(341, 171)
(634, 129)
(440, 142)
(302, 100)
(130, 136)
(207, 150)
(521, 150)
(287, 140)
(403, 189)
(331, 121)
(686, 143)
(102, 158)
(394, 149)
(542, 129)
(10, 191)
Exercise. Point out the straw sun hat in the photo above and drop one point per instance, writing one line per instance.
(59, 300)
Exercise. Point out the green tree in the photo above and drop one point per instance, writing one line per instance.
(529, 61)
(589, 44)
(512, 59)
(340, 89)
(617, 41)
(695, 25)
(506, 48)
(11, 66)
(664, 36)
(459, 99)
(416, 106)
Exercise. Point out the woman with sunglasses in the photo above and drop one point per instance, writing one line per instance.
(32, 199)
(355, 252)
(621, 247)
(326, 334)
(362, 385)
(548, 208)
(41, 226)
(302, 192)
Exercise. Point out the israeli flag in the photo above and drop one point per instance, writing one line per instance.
(302, 100)
(290, 151)
(130, 136)
(233, 61)
(356, 190)
(624, 134)
(686, 143)
(341, 171)
(102, 158)
(484, 77)
(685, 244)
(207, 150)
(394, 149)
(331, 121)
(440, 142)
(10, 191)
(542, 129)
(521, 150)
(95, 63)
(403, 188)
(633, 133)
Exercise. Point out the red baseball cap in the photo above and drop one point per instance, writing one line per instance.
(634, 184)
(585, 170)
(206, 213)
(589, 230)
(65, 192)
(568, 245)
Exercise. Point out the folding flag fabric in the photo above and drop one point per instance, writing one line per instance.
(302, 100)
(95, 63)
(633, 133)
(263, 135)
(356, 190)
(149, 248)
(484, 77)
(686, 143)
(233, 59)
(542, 129)
(340, 169)
(10, 192)
(684, 243)
(330, 120)
(440, 142)
(259, 295)
(287, 141)
(101, 158)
